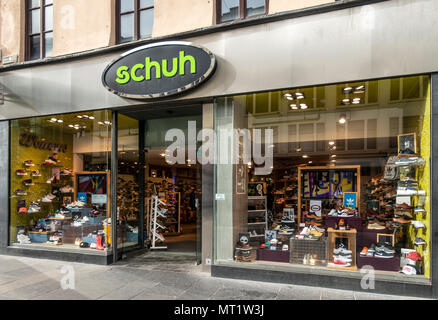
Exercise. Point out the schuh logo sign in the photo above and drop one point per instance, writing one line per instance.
(159, 70)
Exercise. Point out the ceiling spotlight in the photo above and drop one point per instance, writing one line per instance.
(345, 101)
(303, 106)
(287, 95)
(162, 154)
(80, 117)
(333, 160)
(347, 90)
(359, 89)
(298, 149)
(331, 143)
(305, 156)
(60, 121)
(342, 119)
(100, 122)
(290, 98)
(333, 156)
(53, 119)
(310, 162)
(70, 125)
(294, 106)
(356, 100)
(91, 118)
(85, 116)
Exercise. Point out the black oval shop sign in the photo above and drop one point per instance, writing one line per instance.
(159, 70)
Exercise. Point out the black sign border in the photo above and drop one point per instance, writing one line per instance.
(210, 71)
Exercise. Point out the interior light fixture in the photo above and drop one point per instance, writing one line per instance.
(80, 117)
(331, 143)
(298, 149)
(162, 154)
(54, 119)
(303, 106)
(287, 95)
(305, 156)
(310, 162)
(347, 90)
(333, 156)
(60, 121)
(343, 118)
(100, 122)
(70, 125)
(346, 101)
(333, 160)
(356, 100)
(294, 106)
(359, 89)
(91, 118)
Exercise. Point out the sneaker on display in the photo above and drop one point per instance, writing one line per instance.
(364, 251)
(29, 163)
(419, 241)
(341, 250)
(345, 259)
(46, 199)
(383, 254)
(338, 263)
(285, 247)
(35, 173)
(418, 224)
(419, 209)
(21, 172)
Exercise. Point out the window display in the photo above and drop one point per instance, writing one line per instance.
(57, 198)
(349, 186)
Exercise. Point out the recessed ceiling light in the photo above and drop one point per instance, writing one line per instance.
(347, 90)
(359, 89)
(54, 119)
(303, 106)
(331, 142)
(70, 125)
(294, 106)
(162, 154)
(91, 118)
(333, 156)
(286, 95)
(80, 117)
(289, 98)
(310, 162)
(305, 156)
(60, 121)
(333, 160)
(298, 149)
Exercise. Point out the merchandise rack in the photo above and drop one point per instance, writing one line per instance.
(257, 213)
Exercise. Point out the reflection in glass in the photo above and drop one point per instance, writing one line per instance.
(146, 3)
(35, 21)
(34, 4)
(126, 5)
(127, 27)
(48, 18)
(48, 43)
(35, 47)
(255, 7)
(230, 10)
(146, 23)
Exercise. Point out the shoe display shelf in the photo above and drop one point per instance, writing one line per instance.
(156, 227)
(365, 239)
(350, 237)
(318, 249)
(40, 237)
(173, 214)
(257, 217)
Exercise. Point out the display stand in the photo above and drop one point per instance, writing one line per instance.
(301, 170)
(254, 213)
(348, 234)
(156, 213)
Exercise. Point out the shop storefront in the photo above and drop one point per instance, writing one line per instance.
(322, 171)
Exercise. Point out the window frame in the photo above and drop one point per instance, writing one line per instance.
(42, 32)
(242, 11)
(137, 11)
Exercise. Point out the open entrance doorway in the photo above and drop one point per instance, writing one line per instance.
(155, 196)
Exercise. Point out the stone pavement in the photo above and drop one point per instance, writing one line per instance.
(144, 278)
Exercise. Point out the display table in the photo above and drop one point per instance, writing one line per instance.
(368, 237)
(273, 255)
(384, 264)
(350, 235)
(353, 222)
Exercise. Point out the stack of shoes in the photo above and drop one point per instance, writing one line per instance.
(311, 233)
(311, 219)
(402, 215)
(343, 212)
(341, 257)
(381, 250)
(380, 199)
